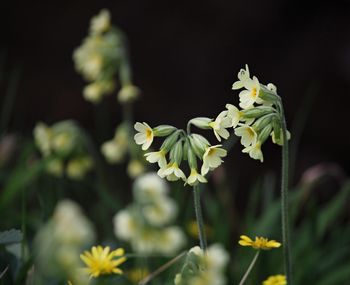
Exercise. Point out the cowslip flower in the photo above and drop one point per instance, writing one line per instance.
(254, 151)
(144, 136)
(219, 126)
(195, 178)
(258, 243)
(101, 261)
(234, 114)
(243, 76)
(172, 172)
(275, 280)
(101, 22)
(247, 134)
(157, 156)
(212, 158)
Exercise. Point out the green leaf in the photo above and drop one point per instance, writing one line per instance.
(11, 236)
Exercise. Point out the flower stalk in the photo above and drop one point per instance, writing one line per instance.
(199, 218)
(284, 200)
(245, 276)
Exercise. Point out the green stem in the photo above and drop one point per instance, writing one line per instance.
(249, 268)
(284, 201)
(23, 222)
(199, 218)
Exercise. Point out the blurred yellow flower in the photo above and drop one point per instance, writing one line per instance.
(100, 260)
(137, 274)
(259, 243)
(275, 280)
(192, 229)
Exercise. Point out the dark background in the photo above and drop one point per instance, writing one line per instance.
(185, 56)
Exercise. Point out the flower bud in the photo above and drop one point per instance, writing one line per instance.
(201, 122)
(265, 133)
(170, 141)
(192, 160)
(163, 130)
(177, 152)
(268, 94)
(198, 144)
(263, 122)
(257, 112)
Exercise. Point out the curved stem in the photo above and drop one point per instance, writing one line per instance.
(284, 201)
(249, 268)
(199, 218)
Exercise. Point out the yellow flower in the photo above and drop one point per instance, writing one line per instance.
(100, 260)
(247, 134)
(259, 243)
(255, 151)
(275, 280)
(137, 274)
(144, 136)
(172, 172)
(219, 126)
(157, 156)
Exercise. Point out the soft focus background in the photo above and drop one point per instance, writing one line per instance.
(185, 56)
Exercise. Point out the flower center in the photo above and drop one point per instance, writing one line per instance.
(148, 133)
(254, 92)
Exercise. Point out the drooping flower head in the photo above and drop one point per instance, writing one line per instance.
(212, 158)
(101, 261)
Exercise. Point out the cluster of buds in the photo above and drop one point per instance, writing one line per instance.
(146, 222)
(179, 146)
(204, 268)
(101, 56)
(64, 145)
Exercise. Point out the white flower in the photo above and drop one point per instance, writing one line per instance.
(243, 76)
(219, 126)
(247, 134)
(128, 93)
(170, 240)
(135, 168)
(212, 158)
(149, 188)
(161, 212)
(195, 178)
(234, 114)
(113, 151)
(172, 172)
(217, 257)
(157, 156)
(254, 151)
(250, 96)
(101, 22)
(77, 168)
(145, 135)
(125, 225)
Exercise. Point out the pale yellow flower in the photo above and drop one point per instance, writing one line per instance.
(101, 261)
(254, 151)
(247, 134)
(172, 172)
(157, 156)
(275, 280)
(195, 178)
(234, 114)
(219, 126)
(212, 158)
(101, 22)
(144, 136)
(259, 243)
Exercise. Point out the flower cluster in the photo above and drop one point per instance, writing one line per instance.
(145, 223)
(177, 147)
(100, 58)
(260, 115)
(204, 268)
(101, 261)
(59, 242)
(64, 144)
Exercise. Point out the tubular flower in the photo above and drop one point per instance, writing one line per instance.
(275, 280)
(234, 114)
(144, 136)
(212, 158)
(219, 126)
(259, 243)
(248, 97)
(195, 178)
(172, 172)
(101, 261)
(247, 134)
(254, 151)
(157, 156)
